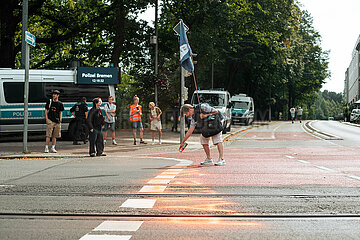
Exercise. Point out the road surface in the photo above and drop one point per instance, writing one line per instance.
(279, 183)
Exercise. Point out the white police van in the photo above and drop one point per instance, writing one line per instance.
(41, 83)
(243, 109)
(220, 100)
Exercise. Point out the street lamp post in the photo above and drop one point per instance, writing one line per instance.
(156, 50)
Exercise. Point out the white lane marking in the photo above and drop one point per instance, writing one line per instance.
(273, 132)
(325, 169)
(303, 161)
(289, 156)
(139, 203)
(172, 171)
(353, 177)
(166, 176)
(152, 189)
(159, 181)
(119, 226)
(105, 237)
(181, 161)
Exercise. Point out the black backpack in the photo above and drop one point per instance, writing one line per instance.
(209, 126)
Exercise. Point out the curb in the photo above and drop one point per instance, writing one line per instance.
(351, 124)
(323, 135)
(39, 156)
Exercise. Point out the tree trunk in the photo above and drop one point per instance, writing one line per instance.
(119, 34)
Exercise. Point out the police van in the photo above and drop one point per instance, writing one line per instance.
(243, 109)
(72, 84)
(220, 100)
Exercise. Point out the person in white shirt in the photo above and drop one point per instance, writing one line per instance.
(154, 115)
(292, 112)
(110, 112)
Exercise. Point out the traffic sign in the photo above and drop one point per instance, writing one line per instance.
(29, 38)
(177, 28)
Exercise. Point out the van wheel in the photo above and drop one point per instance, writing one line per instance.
(247, 122)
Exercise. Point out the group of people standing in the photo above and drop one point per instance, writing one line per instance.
(94, 124)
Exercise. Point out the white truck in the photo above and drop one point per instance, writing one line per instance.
(243, 109)
(220, 100)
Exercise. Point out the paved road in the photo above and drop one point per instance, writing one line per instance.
(279, 183)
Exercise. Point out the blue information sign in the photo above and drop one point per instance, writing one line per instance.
(97, 75)
(29, 38)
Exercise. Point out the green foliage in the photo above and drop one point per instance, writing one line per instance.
(265, 48)
(328, 104)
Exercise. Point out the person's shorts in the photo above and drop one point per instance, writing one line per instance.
(155, 124)
(137, 125)
(109, 125)
(53, 129)
(215, 139)
(292, 115)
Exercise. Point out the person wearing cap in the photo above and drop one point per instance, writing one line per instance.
(154, 115)
(53, 117)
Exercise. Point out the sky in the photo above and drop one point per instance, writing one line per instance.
(337, 23)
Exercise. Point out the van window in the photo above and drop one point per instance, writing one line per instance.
(213, 100)
(241, 105)
(70, 92)
(14, 92)
(40, 92)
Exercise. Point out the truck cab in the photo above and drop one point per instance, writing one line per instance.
(243, 109)
(220, 100)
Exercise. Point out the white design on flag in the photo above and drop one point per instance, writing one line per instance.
(184, 49)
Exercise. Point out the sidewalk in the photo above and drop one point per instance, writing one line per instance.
(170, 142)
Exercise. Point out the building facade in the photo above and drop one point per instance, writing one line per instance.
(352, 77)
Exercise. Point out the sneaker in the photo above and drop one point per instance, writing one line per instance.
(142, 142)
(160, 141)
(76, 143)
(104, 141)
(114, 142)
(220, 162)
(153, 142)
(46, 149)
(207, 162)
(53, 150)
(92, 155)
(101, 154)
(134, 142)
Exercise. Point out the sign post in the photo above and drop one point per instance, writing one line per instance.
(30, 40)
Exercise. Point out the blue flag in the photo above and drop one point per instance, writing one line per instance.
(185, 50)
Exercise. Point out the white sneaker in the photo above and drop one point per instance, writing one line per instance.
(153, 142)
(114, 142)
(104, 141)
(53, 150)
(220, 162)
(207, 162)
(46, 149)
(160, 141)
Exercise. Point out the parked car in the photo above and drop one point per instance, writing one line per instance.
(243, 109)
(355, 115)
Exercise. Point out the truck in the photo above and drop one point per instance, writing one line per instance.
(242, 109)
(220, 100)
